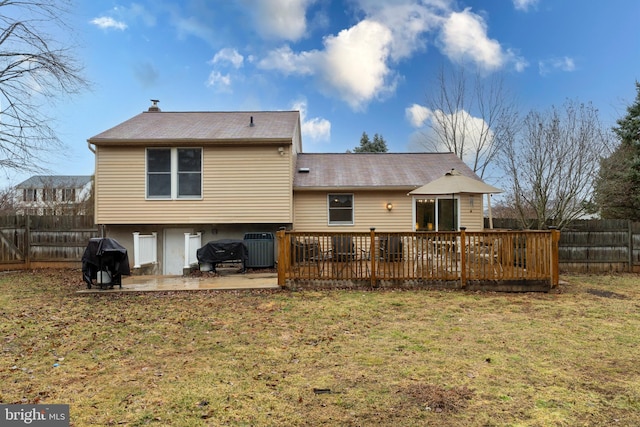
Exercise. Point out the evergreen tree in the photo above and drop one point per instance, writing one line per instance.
(379, 145)
(617, 189)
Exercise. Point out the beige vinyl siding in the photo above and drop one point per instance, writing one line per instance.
(472, 218)
(250, 184)
(310, 211)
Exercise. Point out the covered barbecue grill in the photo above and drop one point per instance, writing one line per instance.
(226, 250)
(104, 262)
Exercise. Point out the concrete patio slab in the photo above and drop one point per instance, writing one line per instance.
(182, 283)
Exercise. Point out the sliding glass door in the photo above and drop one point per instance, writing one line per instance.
(436, 214)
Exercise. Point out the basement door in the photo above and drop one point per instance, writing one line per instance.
(173, 253)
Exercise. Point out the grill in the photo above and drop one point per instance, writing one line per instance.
(104, 262)
(223, 251)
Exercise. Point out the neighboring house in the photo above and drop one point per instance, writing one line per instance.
(53, 195)
(224, 174)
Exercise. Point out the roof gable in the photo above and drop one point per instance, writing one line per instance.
(374, 170)
(55, 181)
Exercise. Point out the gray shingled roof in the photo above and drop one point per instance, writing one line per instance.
(203, 127)
(55, 181)
(374, 170)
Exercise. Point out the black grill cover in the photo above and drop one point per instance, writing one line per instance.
(223, 250)
(104, 254)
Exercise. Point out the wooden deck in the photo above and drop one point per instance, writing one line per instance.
(500, 260)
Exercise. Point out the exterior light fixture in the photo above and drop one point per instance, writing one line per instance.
(389, 206)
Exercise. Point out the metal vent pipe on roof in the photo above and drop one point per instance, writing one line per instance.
(154, 105)
(251, 121)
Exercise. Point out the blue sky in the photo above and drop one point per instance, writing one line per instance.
(349, 66)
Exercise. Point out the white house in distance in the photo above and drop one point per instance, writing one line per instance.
(53, 195)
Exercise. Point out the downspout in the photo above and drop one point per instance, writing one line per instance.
(93, 189)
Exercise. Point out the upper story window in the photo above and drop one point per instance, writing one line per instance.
(68, 195)
(49, 195)
(174, 173)
(30, 195)
(340, 209)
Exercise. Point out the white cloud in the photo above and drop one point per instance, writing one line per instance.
(417, 115)
(408, 21)
(220, 82)
(315, 129)
(468, 127)
(120, 15)
(280, 19)
(106, 22)
(519, 63)
(464, 37)
(355, 63)
(352, 66)
(228, 55)
(524, 4)
(288, 62)
(565, 64)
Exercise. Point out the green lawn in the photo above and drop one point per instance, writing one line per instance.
(343, 358)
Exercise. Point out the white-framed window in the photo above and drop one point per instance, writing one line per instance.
(174, 173)
(49, 195)
(340, 207)
(30, 195)
(69, 195)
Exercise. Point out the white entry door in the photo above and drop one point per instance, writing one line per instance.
(173, 258)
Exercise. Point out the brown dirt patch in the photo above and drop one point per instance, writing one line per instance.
(436, 398)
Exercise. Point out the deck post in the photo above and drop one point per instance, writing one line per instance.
(372, 255)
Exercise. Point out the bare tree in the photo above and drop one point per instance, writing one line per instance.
(34, 71)
(7, 201)
(469, 116)
(552, 162)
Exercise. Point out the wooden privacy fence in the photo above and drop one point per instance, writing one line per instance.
(595, 245)
(43, 241)
(501, 260)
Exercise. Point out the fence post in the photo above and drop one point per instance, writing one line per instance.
(630, 228)
(463, 258)
(27, 237)
(555, 261)
(372, 255)
(283, 257)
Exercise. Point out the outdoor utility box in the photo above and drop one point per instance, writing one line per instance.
(261, 250)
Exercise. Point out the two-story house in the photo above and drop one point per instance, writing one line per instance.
(53, 195)
(224, 174)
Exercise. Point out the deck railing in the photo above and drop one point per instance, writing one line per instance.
(465, 259)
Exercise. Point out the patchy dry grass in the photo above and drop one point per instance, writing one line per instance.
(347, 358)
